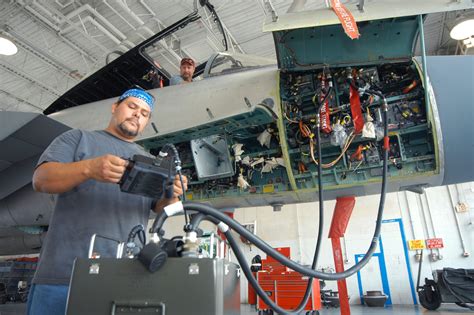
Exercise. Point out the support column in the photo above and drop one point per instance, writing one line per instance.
(341, 284)
(340, 219)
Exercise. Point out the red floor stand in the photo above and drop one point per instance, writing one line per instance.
(340, 219)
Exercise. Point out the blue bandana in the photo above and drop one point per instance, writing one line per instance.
(141, 94)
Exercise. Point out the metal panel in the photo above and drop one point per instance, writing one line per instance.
(15, 150)
(381, 41)
(26, 208)
(212, 157)
(190, 105)
(22, 146)
(12, 121)
(452, 80)
(212, 288)
(373, 10)
(21, 244)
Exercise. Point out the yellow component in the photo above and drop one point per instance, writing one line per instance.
(189, 196)
(416, 244)
(415, 109)
(268, 188)
(346, 120)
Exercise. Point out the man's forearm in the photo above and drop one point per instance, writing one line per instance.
(55, 177)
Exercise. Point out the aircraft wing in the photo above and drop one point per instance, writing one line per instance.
(23, 137)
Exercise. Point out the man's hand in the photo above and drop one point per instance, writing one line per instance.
(56, 177)
(106, 168)
(178, 188)
(177, 191)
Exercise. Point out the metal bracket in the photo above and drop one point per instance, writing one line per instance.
(120, 245)
(360, 6)
(271, 9)
(247, 102)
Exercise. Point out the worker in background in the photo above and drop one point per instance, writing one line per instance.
(186, 72)
(83, 168)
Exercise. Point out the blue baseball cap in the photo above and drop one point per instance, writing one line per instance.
(141, 94)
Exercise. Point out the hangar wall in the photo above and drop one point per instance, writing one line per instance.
(407, 216)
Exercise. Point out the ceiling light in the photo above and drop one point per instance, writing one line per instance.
(463, 29)
(7, 47)
(469, 42)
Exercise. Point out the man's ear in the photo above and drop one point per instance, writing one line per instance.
(114, 106)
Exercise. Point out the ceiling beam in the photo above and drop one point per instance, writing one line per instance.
(55, 30)
(38, 52)
(30, 79)
(21, 100)
(441, 33)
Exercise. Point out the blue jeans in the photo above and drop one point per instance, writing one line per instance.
(47, 299)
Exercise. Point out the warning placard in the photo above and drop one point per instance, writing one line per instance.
(434, 243)
(416, 244)
(346, 18)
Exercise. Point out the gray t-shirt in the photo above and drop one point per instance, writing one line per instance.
(92, 207)
(177, 79)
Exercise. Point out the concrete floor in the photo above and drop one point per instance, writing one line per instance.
(446, 309)
(12, 308)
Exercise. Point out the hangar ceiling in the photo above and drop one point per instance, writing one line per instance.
(63, 41)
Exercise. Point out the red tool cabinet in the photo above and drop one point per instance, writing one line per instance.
(285, 286)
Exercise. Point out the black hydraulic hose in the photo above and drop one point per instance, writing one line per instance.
(134, 232)
(197, 219)
(177, 162)
(173, 150)
(275, 254)
(291, 264)
(320, 104)
(459, 282)
(284, 260)
(253, 282)
(158, 223)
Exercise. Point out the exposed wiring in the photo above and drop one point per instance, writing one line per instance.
(349, 140)
(291, 264)
(219, 216)
(289, 119)
(357, 167)
(305, 130)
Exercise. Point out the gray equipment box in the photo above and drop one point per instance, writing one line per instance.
(182, 286)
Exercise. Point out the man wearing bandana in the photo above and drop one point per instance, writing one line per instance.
(83, 169)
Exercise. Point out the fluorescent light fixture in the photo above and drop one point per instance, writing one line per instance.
(462, 30)
(7, 47)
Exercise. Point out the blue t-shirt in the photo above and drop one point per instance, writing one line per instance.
(91, 207)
